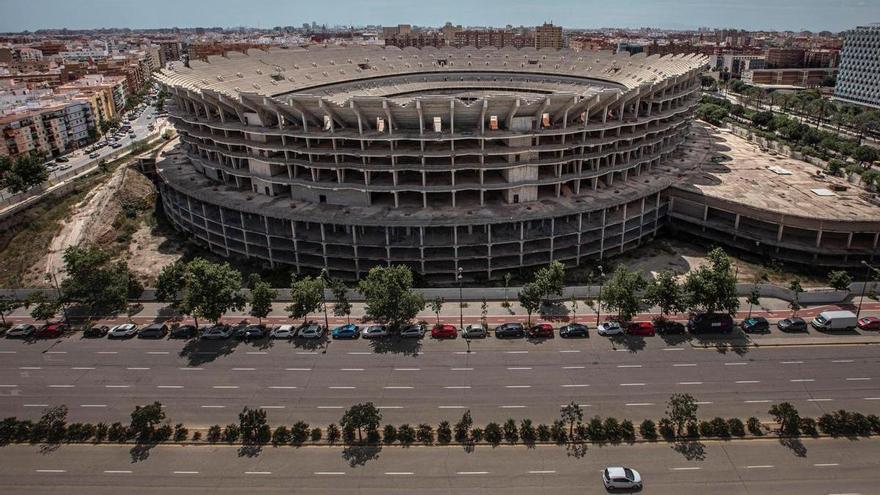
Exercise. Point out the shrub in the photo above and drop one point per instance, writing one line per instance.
(706, 429)
(828, 424)
(349, 434)
(543, 432)
(874, 421)
(527, 432)
(692, 430)
(214, 434)
(612, 429)
(24, 430)
(425, 434)
(332, 433)
(231, 433)
(627, 430)
(180, 433)
(463, 427)
(197, 435)
(389, 434)
(299, 433)
(859, 424)
(117, 432)
(720, 427)
(595, 430)
(494, 433)
(316, 434)
(373, 436)
(281, 436)
(558, 433)
(808, 426)
(666, 429)
(754, 426)
(8, 428)
(101, 432)
(511, 433)
(444, 433)
(477, 435)
(163, 433)
(648, 430)
(75, 432)
(736, 427)
(406, 434)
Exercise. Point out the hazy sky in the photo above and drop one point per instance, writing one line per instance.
(816, 15)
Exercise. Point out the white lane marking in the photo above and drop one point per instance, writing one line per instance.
(842, 360)
(516, 352)
(520, 368)
(56, 352)
(329, 473)
(184, 472)
(673, 348)
(297, 369)
(61, 386)
(82, 368)
(826, 464)
(703, 402)
(517, 386)
(398, 473)
(762, 466)
(212, 407)
(35, 405)
(629, 365)
(687, 469)
(802, 380)
(190, 369)
(632, 384)
(735, 364)
(389, 407)
(107, 352)
(257, 353)
(468, 473)
(582, 405)
(158, 353)
(453, 387)
(398, 388)
(464, 352)
(272, 407)
(542, 472)
(8, 386)
(792, 362)
(640, 404)
(330, 407)
(573, 367)
(29, 368)
(450, 407)
(225, 386)
(50, 470)
(756, 401)
(743, 382)
(307, 353)
(819, 400)
(574, 385)
(859, 379)
(115, 471)
(461, 369)
(359, 353)
(683, 365)
(169, 386)
(258, 472)
(690, 383)
(569, 350)
(341, 388)
(512, 407)
(93, 405)
(872, 398)
(8, 352)
(137, 369)
(244, 369)
(351, 369)
(117, 386)
(407, 369)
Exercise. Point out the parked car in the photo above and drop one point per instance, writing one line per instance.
(21, 331)
(248, 332)
(710, 323)
(184, 332)
(574, 330)
(95, 331)
(153, 331)
(474, 331)
(283, 332)
(310, 331)
(413, 331)
(608, 328)
(669, 327)
(541, 330)
(622, 478)
(444, 331)
(124, 331)
(641, 329)
(93, 155)
(793, 324)
(755, 324)
(349, 331)
(217, 332)
(374, 332)
(869, 323)
(510, 330)
(834, 320)
(62, 159)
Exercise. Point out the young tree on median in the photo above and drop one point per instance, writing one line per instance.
(306, 296)
(787, 417)
(796, 289)
(572, 414)
(712, 287)
(389, 295)
(681, 409)
(253, 426)
(342, 306)
(361, 417)
(665, 292)
(436, 306)
(621, 292)
(530, 298)
(262, 295)
(144, 420)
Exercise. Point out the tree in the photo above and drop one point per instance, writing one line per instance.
(572, 414)
(796, 289)
(95, 280)
(253, 426)
(262, 295)
(44, 309)
(507, 278)
(787, 417)
(839, 280)
(170, 282)
(342, 307)
(24, 172)
(484, 311)
(389, 296)
(574, 308)
(8, 305)
(665, 292)
(680, 410)
(436, 306)
(463, 427)
(361, 417)
(306, 295)
(712, 287)
(144, 420)
(52, 424)
(762, 119)
(530, 298)
(210, 290)
(753, 299)
(550, 280)
(620, 292)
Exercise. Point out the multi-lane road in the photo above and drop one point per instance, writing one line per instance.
(202, 382)
(752, 467)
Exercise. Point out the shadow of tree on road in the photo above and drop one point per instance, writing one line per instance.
(396, 345)
(250, 450)
(140, 452)
(576, 449)
(631, 343)
(691, 450)
(199, 351)
(359, 455)
(795, 445)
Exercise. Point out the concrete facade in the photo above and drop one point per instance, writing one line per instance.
(859, 78)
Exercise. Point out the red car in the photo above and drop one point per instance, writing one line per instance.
(444, 332)
(869, 323)
(641, 328)
(51, 331)
(541, 330)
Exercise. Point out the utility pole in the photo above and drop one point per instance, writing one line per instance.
(324, 298)
(599, 299)
(52, 278)
(460, 301)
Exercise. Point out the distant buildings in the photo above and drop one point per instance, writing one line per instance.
(548, 36)
(56, 126)
(859, 78)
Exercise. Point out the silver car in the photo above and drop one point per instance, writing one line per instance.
(474, 331)
(609, 328)
(310, 331)
(21, 331)
(283, 332)
(217, 332)
(124, 331)
(413, 332)
(374, 332)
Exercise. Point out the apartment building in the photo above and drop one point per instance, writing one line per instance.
(115, 86)
(53, 129)
(859, 78)
(548, 36)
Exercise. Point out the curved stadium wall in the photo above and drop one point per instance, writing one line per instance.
(483, 160)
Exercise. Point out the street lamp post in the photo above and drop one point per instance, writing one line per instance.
(54, 280)
(868, 269)
(324, 298)
(460, 301)
(599, 302)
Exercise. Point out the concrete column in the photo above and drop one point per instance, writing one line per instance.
(779, 233)
(849, 240)
(602, 238)
(706, 213)
(819, 238)
(387, 247)
(295, 248)
(736, 222)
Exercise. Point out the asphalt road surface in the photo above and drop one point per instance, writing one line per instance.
(749, 467)
(207, 382)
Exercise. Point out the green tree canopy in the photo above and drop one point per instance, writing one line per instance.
(621, 292)
(530, 298)
(8, 305)
(24, 172)
(144, 419)
(361, 417)
(44, 309)
(306, 295)
(389, 296)
(712, 287)
(170, 282)
(665, 292)
(203, 289)
(550, 280)
(436, 306)
(262, 295)
(94, 280)
(839, 279)
(342, 306)
(681, 409)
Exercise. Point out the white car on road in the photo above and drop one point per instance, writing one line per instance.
(374, 332)
(621, 477)
(609, 328)
(310, 331)
(283, 332)
(124, 331)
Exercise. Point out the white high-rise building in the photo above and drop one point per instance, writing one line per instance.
(859, 78)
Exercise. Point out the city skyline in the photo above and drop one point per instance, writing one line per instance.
(793, 15)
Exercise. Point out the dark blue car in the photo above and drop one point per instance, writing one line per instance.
(350, 331)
